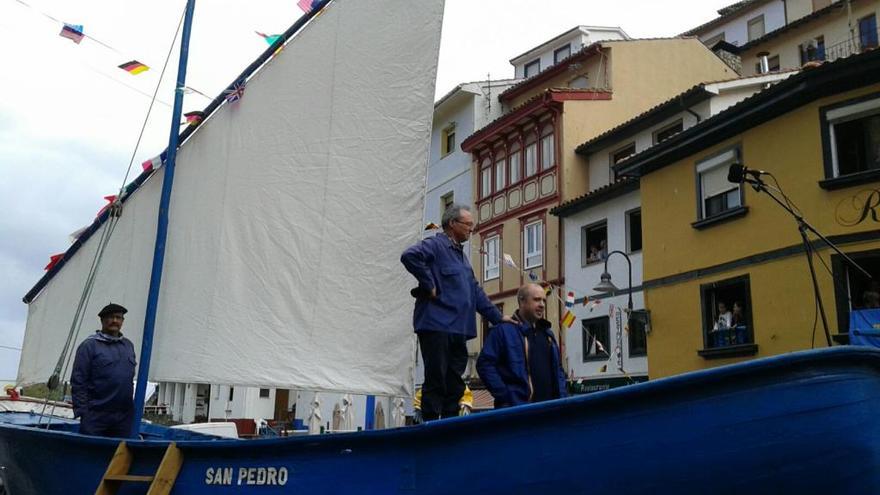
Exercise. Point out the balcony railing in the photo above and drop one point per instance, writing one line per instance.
(852, 46)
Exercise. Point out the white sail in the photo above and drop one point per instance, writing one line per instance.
(289, 211)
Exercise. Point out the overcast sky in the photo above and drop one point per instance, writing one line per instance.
(69, 118)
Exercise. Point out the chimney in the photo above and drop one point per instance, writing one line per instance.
(765, 63)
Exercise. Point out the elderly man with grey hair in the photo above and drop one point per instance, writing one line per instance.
(447, 297)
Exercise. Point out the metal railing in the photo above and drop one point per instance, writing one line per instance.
(857, 44)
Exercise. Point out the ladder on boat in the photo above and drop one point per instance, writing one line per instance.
(160, 483)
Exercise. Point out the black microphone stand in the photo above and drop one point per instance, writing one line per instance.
(803, 226)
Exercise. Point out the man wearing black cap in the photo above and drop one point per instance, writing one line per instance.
(102, 378)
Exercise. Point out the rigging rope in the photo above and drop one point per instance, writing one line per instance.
(115, 211)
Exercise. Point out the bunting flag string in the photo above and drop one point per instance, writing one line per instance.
(194, 118)
(53, 260)
(134, 67)
(154, 163)
(270, 38)
(236, 93)
(73, 32)
(568, 317)
(76, 33)
(307, 5)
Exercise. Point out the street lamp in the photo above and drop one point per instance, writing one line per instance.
(605, 284)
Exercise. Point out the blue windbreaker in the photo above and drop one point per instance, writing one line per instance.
(103, 375)
(438, 263)
(503, 364)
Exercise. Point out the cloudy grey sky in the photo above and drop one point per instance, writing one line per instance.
(69, 118)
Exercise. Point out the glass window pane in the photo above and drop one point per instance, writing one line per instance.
(548, 158)
(531, 164)
(514, 167)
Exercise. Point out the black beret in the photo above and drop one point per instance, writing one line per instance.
(111, 309)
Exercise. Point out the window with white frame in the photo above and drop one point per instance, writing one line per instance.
(533, 244)
(756, 27)
(852, 137)
(515, 165)
(548, 152)
(531, 157)
(717, 194)
(668, 131)
(491, 255)
(486, 179)
(500, 169)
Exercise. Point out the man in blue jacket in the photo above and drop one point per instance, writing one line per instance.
(520, 361)
(447, 297)
(102, 378)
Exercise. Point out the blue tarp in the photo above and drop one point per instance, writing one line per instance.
(864, 327)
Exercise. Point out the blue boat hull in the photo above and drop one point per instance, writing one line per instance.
(801, 423)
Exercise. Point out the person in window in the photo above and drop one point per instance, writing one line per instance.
(520, 361)
(725, 317)
(447, 297)
(737, 318)
(594, 254)
(102, 381)
(603, 249)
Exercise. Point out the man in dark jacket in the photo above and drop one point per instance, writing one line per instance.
(102, 378)
(520, 361)
(446, 298)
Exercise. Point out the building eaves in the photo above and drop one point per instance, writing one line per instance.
(212, 107)
(564, 35)
(466, 85)
(827, 79)
(646, 119)
(724, 15)
(547, 98)
(562, 65)
(597, 196)
(794, 25)
(550, 71)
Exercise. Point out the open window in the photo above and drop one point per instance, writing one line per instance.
(727, 318)
(447, 143)
(634, 230)
(617, 156)
(668, 131)
(594, 243)
(852, 290)
(718, 197)
(851, 137)
(637, 335)
(595, 339)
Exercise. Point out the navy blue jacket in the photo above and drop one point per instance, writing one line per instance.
(438, 263)
(103, 375)
(503, 364)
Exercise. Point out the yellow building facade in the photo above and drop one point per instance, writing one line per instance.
(709, 241)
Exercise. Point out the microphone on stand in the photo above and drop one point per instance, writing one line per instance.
(737, 174)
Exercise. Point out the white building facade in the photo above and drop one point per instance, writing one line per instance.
(560, 47)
